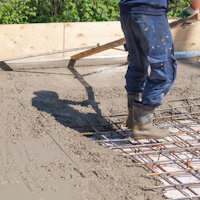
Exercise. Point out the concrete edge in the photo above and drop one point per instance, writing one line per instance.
(62, 63)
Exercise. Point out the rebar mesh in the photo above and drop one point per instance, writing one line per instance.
(175, 159)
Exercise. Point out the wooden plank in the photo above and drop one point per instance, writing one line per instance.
(99, 49)
(122, 41)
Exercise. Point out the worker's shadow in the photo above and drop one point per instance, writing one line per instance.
(65, 111)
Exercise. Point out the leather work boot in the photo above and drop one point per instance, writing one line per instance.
(143, 123)
(131, 97)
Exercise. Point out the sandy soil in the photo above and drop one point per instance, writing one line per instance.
(42, 158)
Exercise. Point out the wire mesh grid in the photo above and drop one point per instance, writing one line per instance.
(175, 159)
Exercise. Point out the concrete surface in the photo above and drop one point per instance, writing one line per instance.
(41, 104)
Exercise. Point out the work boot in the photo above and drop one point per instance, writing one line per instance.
(131, 97)
(143, 123)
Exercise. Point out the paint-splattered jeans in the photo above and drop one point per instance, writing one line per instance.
(149, 43)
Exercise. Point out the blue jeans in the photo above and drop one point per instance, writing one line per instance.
(149, 43)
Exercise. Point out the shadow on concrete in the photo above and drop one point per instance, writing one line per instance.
(65, 113)
(5, 67)
(87, 87)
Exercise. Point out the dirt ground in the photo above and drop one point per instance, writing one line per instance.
(42, 158)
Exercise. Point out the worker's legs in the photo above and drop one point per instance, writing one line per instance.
(149, 42)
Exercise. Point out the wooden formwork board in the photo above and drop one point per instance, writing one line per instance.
(122, 41)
